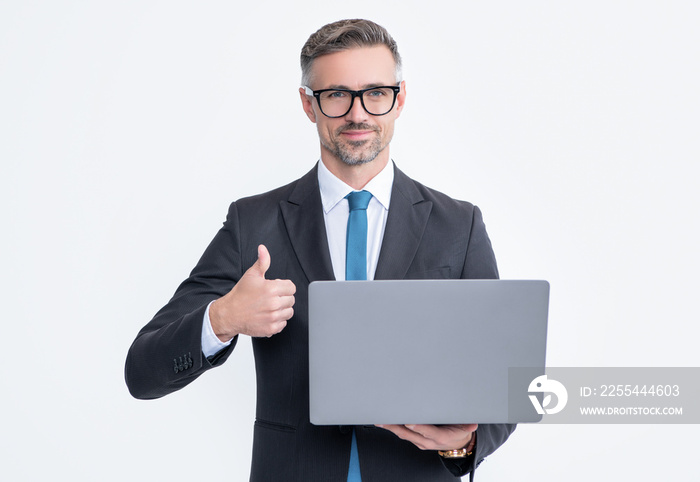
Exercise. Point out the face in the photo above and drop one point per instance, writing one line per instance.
(358, 137)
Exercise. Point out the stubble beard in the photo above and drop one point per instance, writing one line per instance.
(354, 153)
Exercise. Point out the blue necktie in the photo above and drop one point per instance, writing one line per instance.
(356, 246)
(356, 269)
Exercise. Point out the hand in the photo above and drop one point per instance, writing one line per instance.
(255, 306)
(435, 437)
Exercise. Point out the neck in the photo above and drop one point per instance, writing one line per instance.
(356, 176)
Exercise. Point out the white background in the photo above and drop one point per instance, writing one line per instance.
(126, 128)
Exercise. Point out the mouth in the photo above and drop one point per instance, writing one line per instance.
(355, 134)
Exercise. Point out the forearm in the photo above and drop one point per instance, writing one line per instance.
(153, 368)
(488, 438)
(165, 357)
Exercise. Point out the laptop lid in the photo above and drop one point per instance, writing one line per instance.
(424, 351)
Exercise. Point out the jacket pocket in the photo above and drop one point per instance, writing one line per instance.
(274, 452)
(280, 427)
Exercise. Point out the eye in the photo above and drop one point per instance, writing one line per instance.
(336, 94)
(377, 93)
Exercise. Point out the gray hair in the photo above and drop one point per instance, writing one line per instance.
(344, 35)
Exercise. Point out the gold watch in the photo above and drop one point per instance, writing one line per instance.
(455, 454)
(460, 453)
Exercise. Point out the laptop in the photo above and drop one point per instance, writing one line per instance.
(425, 351)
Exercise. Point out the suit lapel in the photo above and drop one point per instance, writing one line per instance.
(405, 224)
(303, 218)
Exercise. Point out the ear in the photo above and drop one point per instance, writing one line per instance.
(401, 98)
(307, 104)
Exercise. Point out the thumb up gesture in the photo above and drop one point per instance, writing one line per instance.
(255, 306)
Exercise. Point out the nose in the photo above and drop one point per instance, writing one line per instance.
(357, 113)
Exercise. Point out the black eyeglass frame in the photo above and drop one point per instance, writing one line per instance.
(354, 93)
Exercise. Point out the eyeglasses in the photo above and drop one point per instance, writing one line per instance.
(338, 102)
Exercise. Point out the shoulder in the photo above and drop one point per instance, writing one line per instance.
(417, 192)
(296, 191)
(266, 199)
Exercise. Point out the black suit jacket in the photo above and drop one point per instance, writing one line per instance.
(427, 235)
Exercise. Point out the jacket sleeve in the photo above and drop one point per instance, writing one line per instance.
(480, 263)
(167, 353)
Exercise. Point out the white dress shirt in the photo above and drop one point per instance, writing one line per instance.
(335, 215)
(336, 211)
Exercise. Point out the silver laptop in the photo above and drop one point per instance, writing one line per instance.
(425, 351)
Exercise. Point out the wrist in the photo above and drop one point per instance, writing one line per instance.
(466, 451)
(215, 317)
(472, 443)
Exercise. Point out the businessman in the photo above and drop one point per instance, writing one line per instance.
(355, 215)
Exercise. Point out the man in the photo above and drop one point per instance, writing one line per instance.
(253, 278)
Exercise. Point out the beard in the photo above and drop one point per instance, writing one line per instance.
(354, 153)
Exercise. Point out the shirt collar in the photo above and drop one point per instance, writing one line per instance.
(333, 190)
